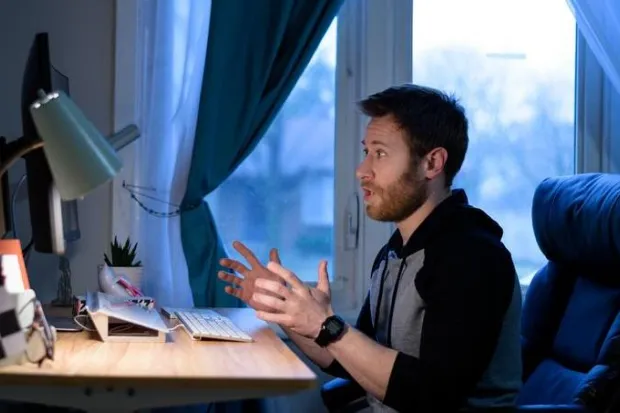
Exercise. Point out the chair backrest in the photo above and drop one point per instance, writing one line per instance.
(571, 313)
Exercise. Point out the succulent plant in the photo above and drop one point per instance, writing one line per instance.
(122, 255)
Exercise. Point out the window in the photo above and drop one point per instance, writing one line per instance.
(512, 64)
(282, 195)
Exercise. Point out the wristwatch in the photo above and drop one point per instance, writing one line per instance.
(331, 330)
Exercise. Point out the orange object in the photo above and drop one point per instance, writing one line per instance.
(14, 247)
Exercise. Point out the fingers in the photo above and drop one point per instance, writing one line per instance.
(229, 277)
(233, 289)
(281, 319)
(286, 275)
(235, 292)
(274, 287)
(323, 282)
(269, 301)
(234, 265)
(274, 256)
(247, 254)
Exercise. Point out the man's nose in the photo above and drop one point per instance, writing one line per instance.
(363, 171)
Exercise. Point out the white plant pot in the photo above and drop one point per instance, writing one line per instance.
(107, 277)
(133, 274)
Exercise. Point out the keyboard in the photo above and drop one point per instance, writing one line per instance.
(208, 324)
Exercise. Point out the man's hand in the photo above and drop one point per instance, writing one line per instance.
(295, 305)
(243, 287)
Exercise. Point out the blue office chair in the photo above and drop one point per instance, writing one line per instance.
(571, 313)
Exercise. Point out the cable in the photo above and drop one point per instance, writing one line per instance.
(170, 330)
(14, 202)
(135, 191)
(75, 320)
(32, 302)
(186, 330)
(26, 250)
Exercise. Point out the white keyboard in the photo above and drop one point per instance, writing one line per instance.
(204, 323)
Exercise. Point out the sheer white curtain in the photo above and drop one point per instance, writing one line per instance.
(175, 42)
(599, 23)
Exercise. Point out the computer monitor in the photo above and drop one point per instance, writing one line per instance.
(48, 213)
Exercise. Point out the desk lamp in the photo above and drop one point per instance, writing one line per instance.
(79, 157)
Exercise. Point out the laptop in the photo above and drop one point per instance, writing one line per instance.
(122, 311)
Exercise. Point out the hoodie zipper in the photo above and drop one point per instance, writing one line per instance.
(381, 283)
(401, 269)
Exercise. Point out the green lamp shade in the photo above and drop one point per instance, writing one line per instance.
(79, 156)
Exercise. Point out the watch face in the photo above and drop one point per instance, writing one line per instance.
(331, 330)
(333, 326)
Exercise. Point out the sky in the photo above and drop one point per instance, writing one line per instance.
(540, 32)
(536, 28)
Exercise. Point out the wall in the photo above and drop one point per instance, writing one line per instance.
(82, 47)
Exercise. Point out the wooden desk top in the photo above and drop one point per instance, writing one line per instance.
(82, 359)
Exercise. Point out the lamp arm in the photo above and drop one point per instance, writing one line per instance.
(124, 137)
(16, 149)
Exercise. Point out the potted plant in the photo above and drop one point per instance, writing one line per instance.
(122, 260)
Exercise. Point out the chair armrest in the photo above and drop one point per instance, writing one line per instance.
(544, 408)
(338, 394)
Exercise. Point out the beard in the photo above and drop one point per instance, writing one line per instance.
(399, 200)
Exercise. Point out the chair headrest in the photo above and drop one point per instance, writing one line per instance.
(576, 219)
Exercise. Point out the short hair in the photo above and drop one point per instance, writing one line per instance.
(430, 118)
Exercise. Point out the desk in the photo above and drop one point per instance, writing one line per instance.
(95, 376)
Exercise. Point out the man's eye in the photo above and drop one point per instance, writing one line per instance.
(365, 151)
(380, 153)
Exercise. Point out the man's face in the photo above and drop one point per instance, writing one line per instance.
(394, 184)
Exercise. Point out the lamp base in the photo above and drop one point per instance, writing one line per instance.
(64, 292)
(60, 303)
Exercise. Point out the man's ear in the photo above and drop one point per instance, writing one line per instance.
(435, 162)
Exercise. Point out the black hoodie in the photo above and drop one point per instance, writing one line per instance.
(449, 302)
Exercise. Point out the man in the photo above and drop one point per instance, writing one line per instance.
(439, 330)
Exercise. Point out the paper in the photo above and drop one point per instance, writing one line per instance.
(12, 273)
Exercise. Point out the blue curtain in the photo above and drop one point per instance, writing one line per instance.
(256, 52)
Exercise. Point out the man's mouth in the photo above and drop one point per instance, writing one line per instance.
(367, 193)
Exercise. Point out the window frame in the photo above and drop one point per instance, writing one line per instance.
(597, 115)
(371, 37)
(128, 87)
